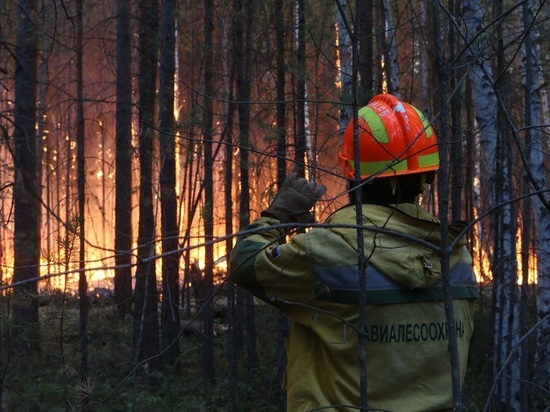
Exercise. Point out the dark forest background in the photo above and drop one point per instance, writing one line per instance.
(139, 137)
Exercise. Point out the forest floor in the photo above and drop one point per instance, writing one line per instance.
(49, 381)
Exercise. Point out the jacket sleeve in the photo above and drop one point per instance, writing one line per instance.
(272, 270)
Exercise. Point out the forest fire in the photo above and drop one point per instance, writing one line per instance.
(138, 138)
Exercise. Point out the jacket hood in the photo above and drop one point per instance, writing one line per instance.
(400, 258)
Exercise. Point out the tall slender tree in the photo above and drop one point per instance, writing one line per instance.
(504, 265)
(243, 18)
(207, 119)
(280, 27)
(228, 195)
(391, 64)
(123, 171)
(146, 329)
(531, 118)
(26, 189)
(81, 184)
(169, 223)
(364, 31)
(300, 134)
(494, 167)
(441, 62)
(535, 177)
(244, 127)
(283, 327)
(345, 32)
(456, 166)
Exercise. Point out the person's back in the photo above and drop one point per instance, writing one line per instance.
(315, 279)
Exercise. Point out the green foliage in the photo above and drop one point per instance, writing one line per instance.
(478, 375)
(49, 380)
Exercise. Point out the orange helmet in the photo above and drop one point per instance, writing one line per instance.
(395, 138)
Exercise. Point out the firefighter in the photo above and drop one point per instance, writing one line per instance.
(314, 277)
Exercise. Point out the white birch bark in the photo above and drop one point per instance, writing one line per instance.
(422, 57)
(393, 72)
(504, 274)
(533, 79)
(310, 156)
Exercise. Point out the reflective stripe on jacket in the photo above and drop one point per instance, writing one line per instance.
(314, 278)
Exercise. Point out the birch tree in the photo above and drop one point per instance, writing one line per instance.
(301, 107)
(493, 154)
(504, 265)
(536, 177)
(391, 65)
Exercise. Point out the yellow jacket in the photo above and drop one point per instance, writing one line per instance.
(314, 278)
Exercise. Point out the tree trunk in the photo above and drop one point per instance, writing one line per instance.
(242, 58)
(364, 31)
(244, 126)
(391, 64)
(531, 118)
(26, 191)
(506, 367)
(146, 329)
(535, 179)
(456, 169)
(345, 60)
(207, 303)
(169, 224)
(441, 62)
(282, 325)
(232, 352)
(281, 104)
(123, 184)
(300, 153)
(81, 179)
(494, 168)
